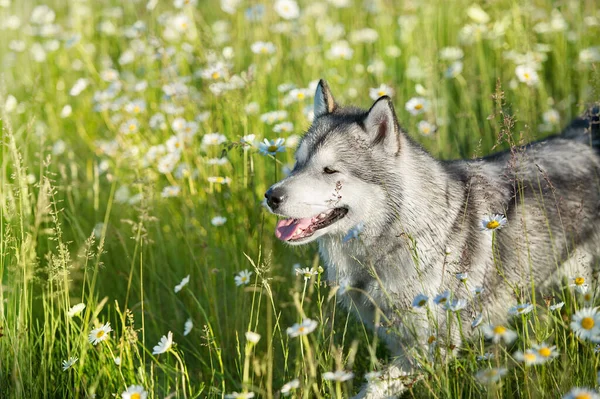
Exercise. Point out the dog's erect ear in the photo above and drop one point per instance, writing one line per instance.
(382, 126)
(324, 102)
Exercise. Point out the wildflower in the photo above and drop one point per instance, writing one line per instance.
(589, 55)
(306, 327)
(306, 272)
(170, 191)
(372, 376)
(129, 127)
(219, 179)
(442, 298)
(383, 90)
(252, 108)
(529, 357)
(544, 352)
(167, 163)
(366, 35)
(76, 309)
(164, 344)
(354, 232)
(485, 356)
(451, 53)
(218, 221)
(213, 139)
(285, 127)
(66, 111)
(182, 284)
(493, 222)
(520, 309)
(243, 395)
(59, 147)
(551, 117)
(488, 376)
(182, 3)
(287, 9)
(417, 105)
(187, 327)
(526, 74)
(339, 376)
(477, 291)
(578, 282)
(299, 94)
(100, 334)
(274, 116)
(134, 392)
(271, 147)
(252, 337)
(499, 332)
(557, 306)
(66, 364)
(243, 277)
(79, 86)
(586, 324)
(213, 72)
(289, 386)
(581, 393)
(426, 128)
(340, 50)
(478, 15)
(456, 305)
(454, 70)
(477, 321)
(263, 47)
(420, 301)
(462, 277)
(117, 360)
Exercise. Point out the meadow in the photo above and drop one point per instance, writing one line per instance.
(136, 257)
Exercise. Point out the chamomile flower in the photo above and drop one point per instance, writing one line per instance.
(100, 334)
(581, 393)
(219, 179)
(462, 277)
(306, 327)
(420, 301)
(442, 299)
(578, 281)
(76, 309)
(290, 386)
(340, 50)
(372, 376)
(187, 327)
(213, 139)
(241, 395)
(243, 277)
(529, 357)
(477, 321)
(273, 116)
(551, 117)
(339, 376)
(544, 352)
(218, 221)
(520, 309)
(263, 47)
(66, 364)
(557, 306)
(252, 337)
(586, 324)
(117, 360)
(426, 128)
(182, 284)
(284, 127)
(456, 305)
(493, 222)
(170, 191)
(164, 344)
(492, 375)
(417, 105)
(526, 74)
(287, 9)
(498, 332)
(134, 392)
(383, 90)
(306, 272)
(477, 291)
(272, 147)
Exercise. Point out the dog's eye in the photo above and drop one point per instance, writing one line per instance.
(329, 171)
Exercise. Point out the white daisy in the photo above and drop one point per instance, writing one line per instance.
(289, 386)
(241, 395)
(581, 393)
(557, 306)
(100, 334)
(252, 337)
(442, 299)
(586, 324)
(306, 327)
(462, 277)
(272, 147)
(526, 74)
(383, 90)
(134, 392)
(339, 376)
(420, 301)
(493, 222)
(520, 309)
(182, 284)
(499, 332)
(187, 327)
(76, 309)
(164, 344)
(529, 357)
(66, 364)
(426, 128)
(544, 352)
(488, 376)
(218, 221)
(243, 277)
(287, 9)
(417, 105)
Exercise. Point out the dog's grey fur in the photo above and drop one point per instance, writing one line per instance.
(422, 220)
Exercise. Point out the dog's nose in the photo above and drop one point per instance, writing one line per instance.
(275, 197)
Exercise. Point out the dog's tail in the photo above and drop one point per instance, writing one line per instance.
(586, 128)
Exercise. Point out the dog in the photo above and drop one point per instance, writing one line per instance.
(392, 222)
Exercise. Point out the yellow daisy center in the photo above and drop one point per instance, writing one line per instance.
(587, 323)
(529, 357)
(526, 75)
(220, 180)
(443, 300)
(422, 302)
(135, 396)
(215, 75)
(300, 96)
(499, 330)
(492, 224)
(583, 395)
(418, 106)
(431, 339)
(272, 148)
(544, 352)
(100, 334)
(136, 109)
(132, 127)
(382, 93)
(244, 279)
(425, 130)
(579, 281)
(301, 329)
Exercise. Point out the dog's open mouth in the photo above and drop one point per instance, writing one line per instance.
(296, 229)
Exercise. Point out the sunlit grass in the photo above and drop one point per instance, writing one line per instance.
(85, 217)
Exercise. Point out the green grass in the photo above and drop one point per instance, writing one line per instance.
(51, 201)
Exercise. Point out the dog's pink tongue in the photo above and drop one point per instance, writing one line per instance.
(287, 228)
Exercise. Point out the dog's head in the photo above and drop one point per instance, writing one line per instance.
(338, 181)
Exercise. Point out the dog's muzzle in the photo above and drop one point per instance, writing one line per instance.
(275, 197)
